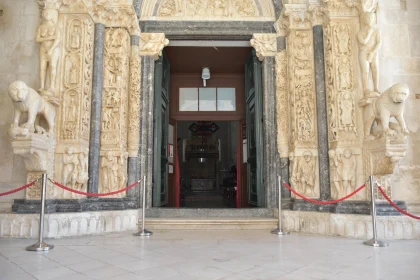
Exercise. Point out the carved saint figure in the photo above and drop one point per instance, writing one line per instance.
(72, 113)
(293, 172)
(83, 169)
(344, 73)
(70, 167)
(306, 173)
(369, 39)
(348, 171)
(343, 37)
(109, 167)
(335, 169)
(75, 38)
(48, 35)
(122, 176)
(346, 106)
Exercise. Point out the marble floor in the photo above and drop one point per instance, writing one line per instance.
(201, 255)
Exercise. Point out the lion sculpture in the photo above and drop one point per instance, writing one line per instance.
(381, 108)
(27, 100)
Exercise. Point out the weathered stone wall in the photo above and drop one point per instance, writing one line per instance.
(399, 22)
(19, 60)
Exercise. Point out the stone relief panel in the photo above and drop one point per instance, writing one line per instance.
(113, 171)
(302, 90)
(134, 103)
(219, 9)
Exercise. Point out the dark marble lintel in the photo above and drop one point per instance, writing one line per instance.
(205, 213)
(207, 30)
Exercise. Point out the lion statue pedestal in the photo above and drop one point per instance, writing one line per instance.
(30, 140)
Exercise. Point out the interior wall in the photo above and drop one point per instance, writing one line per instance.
(399, 22)
(19, 60)
(228, 135)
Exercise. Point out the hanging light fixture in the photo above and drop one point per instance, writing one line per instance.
(205, 75)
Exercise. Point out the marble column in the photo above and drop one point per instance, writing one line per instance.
(146, 124)
(322, 121)
(271, 158)
(133, 162)
(96, 108)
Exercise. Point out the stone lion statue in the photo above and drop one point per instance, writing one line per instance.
(27, 100)
(381, 108)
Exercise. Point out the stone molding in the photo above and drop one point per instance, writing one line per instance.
(265, 45)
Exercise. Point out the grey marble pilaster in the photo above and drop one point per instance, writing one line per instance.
(321, 104)
(133, 162)
(271, 156)
(96, 108)
(135, 40)
(284, 160)
(278, 6)
(137, 6)
(146, 125)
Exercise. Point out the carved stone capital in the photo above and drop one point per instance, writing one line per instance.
(384, 154)
(152, 44)
(319, 14)
(282, 24)
(340, 8)
(265, 44)
(298, 16)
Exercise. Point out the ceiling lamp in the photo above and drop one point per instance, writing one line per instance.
(205, 75)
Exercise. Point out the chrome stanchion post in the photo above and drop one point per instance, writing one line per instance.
(279, 230)
(143, 231)
(374, 241)
(41, 245)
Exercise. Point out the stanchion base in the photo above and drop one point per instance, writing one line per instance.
(376, 243)
(143, 233)
(40, 247)
(279, 232)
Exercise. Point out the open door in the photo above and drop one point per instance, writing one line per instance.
(160, 132)
(254, 126)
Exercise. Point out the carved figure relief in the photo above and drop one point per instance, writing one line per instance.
(208, 8)
(345, 76)
(347, 112)
(303, 174)
(70, 167)
(335, 171)
(302, 86)
(27, 100)
(381, 108)
(113, 172)
(369, 38)
(348, 171)
(134, 103)
(48, 35)
(342, 33)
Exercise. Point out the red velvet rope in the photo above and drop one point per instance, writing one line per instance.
(94, 194)
(396, 206)
(324, 202)
(19, 189)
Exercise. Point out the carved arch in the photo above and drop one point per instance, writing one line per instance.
(184, 10)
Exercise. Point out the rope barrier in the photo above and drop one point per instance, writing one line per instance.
(396, 206)
(324, 202)
(94, 194)
(20, 188)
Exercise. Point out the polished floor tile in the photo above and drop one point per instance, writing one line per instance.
(204, 255)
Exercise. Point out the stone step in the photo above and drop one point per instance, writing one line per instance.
(211, 223)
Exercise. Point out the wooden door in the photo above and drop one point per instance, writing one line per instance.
(254, 126)
(160, 132)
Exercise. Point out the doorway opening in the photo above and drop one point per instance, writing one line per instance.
(201, 126)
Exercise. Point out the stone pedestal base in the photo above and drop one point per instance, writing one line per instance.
(383, 208)
(72, 205)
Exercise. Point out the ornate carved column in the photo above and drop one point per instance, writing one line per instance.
(151, 46)
(303, 149)
(96, 108)
(266, 48)
(319, 17)
(282, 104)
